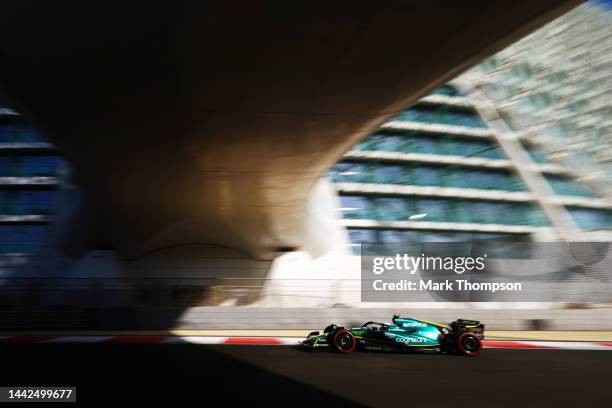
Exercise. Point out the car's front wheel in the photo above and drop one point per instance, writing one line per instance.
(343, 341)
(469, 345)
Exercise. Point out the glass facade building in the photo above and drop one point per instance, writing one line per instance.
(29, 172)
(427, 176)
(553, 88)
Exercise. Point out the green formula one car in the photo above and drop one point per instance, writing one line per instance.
(459, 337)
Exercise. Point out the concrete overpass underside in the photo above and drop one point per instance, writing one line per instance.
(201, 122)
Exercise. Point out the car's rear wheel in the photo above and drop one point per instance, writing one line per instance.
(343, 341)
(469, 345)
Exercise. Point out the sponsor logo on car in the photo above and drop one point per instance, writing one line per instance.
(413, 324)
(407, 340)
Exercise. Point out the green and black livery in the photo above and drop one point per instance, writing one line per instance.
(459, 337)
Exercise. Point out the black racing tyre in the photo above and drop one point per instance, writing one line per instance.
(469, 345)
(343, 341)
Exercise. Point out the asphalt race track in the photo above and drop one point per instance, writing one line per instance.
(228, 375)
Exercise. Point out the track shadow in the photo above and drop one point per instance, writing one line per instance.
(139, 375)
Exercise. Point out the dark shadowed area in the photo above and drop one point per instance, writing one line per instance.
(107, 374)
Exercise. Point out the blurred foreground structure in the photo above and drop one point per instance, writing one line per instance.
(457, 165)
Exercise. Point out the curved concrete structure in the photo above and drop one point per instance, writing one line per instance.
(210, 122)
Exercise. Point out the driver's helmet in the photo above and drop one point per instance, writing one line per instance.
(395, 316)
(330, 328)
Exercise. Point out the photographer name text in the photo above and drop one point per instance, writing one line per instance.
(447, 285)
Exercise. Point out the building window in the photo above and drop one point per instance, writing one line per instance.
(423, 144)
(486, 179)
(383, 142)
(390, 174)
(442, 115)
(473, 148)
(441, 210)
(428, 176)
(588, 219)
(398, 236)
(356, 207)
(18, 133)
(433, 210)
(14, 202)
(20, 238)
(29, 166)
(414, 142)
(390, 208)
(350, 172)
(566, 186)
(424, 175)
(9, 166)
(359, 236)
